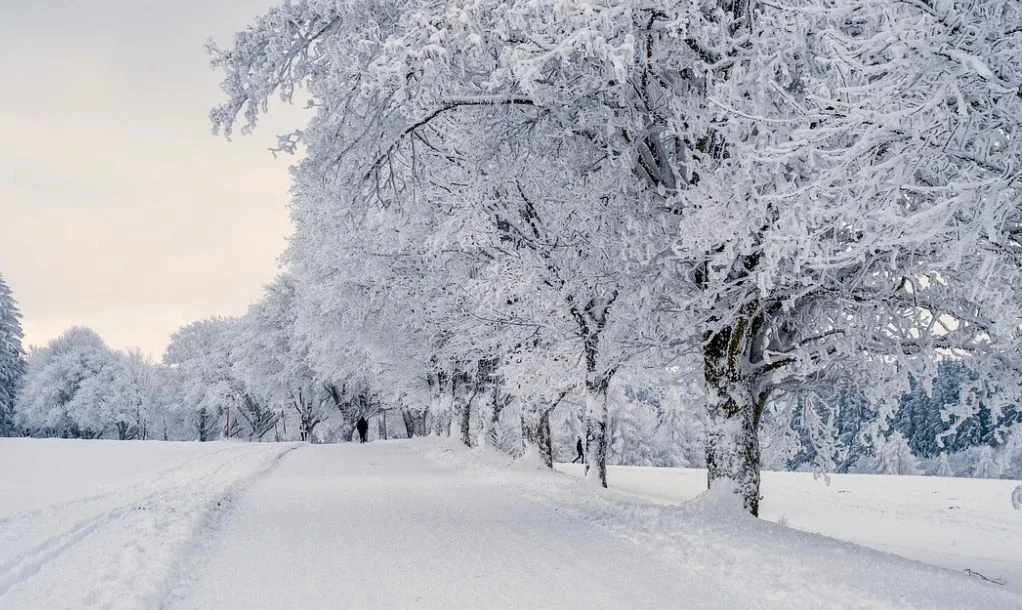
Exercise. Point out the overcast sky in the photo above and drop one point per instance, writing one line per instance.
(118, 208)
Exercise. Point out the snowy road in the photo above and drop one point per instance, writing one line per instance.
(420, 524)
(384, 526)
(377, 526)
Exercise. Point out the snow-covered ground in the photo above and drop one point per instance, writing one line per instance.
(110, 524)
(960, 524)
(424, 524)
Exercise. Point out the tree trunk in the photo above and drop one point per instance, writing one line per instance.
(406, 416)
(442, 404)
(347, 429)
(466, 420)
(419, 423)
(544, 442)
(433, 415)
(493, 430)
(528, 431)
(591, 320)
(485, 417)
(596, 428)
(499, 403)
(207, 425)
(733, 412)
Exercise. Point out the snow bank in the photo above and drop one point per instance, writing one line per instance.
(959, 524)
(107, 523)
(779, 566)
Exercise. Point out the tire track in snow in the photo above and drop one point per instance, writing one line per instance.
(12, 526)
(140, 526)
(52, 546)
(188, 564)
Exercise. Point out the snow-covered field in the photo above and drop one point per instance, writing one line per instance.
(105, 524)
(960, 524)
(425, 524)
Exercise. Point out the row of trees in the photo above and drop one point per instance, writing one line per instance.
(241, 377)
(219, 378)
(502, 206)
(251, 378)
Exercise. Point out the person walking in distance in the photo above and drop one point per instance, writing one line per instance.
(363, 429)
(581, 456)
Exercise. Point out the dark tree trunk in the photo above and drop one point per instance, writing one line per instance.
(417, 424)
(733, 412)
(591, 321)
(544, 442)
(500, 402)
(466, 418)
(126, 431)
(406, 416)
(231, 424)
(260, 420)
(309, 411)
(207, 425)
(596, 428)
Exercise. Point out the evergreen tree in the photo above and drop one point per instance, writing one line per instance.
(919, 416)
(12, 357)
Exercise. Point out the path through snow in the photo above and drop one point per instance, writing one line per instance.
(379, 526)
(420, 524)
(384, 526)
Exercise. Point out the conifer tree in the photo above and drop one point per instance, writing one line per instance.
(12, 357)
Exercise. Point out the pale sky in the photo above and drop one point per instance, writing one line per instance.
(118, 209)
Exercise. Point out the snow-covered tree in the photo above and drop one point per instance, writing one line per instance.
(987, 466)
(209, 393)
(1009, 452)
(742, 166)
(12, 357)
(830, 250)
(274, 365)
(944, 467)
(500, 202)
(49, 402)
(894, 456)
(121, 398)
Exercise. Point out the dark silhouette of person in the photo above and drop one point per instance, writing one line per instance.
(363, 429)
(581, 456)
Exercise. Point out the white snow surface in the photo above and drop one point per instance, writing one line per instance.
(426, 524)
(960, 524)
(109, 524)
